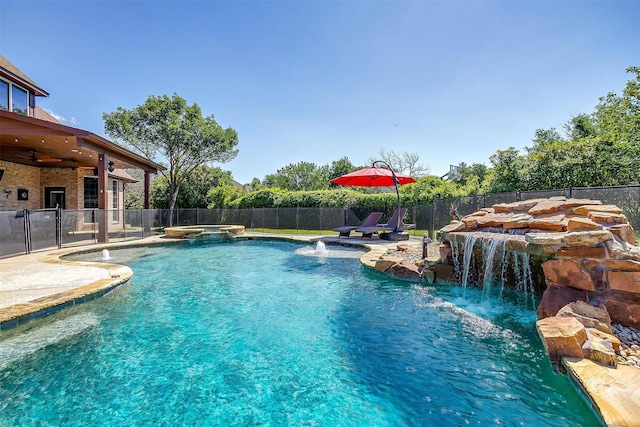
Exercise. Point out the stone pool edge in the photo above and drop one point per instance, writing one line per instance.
(117, 275)
(18, 314)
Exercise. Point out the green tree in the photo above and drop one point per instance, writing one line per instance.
(426, 189)
(467, 173)
(194, 190)
(543, 160)
(341, 167)
(580, 126)
(169, 127)
(507, 174)
(299, 176)
(134, 191)
(617, 118)
(224, 196)
(256, 184)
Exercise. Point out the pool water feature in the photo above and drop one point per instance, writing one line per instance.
(495, 268)
(253, 332)
(491, 252)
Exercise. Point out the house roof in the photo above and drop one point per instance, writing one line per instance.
(44, 142)
(11, 72)
(43, 115)
(122, 175)
(36, 142)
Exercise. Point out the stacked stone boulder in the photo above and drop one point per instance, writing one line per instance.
(587, 252)
(580, 330)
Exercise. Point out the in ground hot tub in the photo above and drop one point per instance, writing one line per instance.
(204, 232)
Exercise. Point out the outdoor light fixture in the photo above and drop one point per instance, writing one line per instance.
(110, 169)
(7, 192)
(42, 141)
(66, 141)
(16, 140)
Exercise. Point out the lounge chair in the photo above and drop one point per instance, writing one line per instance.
(396, 219)
(370, 221)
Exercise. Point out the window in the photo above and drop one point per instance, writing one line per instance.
(114, 188)
(90, 192)
(14, 98)
(90, 198)
(114, 198)
(4, 95)
(19, 100)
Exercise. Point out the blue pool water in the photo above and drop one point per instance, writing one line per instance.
(270, 333)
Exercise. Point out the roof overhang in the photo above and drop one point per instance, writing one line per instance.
(11, 72)
(35, 142)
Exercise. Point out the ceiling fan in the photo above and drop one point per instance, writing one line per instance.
(34, 157)
(74, 167)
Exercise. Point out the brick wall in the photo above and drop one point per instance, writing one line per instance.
(63, 177)
(17, 176)
(35, 180)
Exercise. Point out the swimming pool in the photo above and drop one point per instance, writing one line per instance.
(271, 333)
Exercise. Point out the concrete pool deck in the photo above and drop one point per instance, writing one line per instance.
(41, 283)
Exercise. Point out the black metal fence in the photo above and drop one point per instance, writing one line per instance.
(25, 231)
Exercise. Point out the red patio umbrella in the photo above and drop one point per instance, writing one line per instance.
(375, 176)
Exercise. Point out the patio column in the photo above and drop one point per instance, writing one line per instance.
(146, 190)
(103, 199)
(146, 215)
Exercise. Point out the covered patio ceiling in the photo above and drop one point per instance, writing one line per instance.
(44, 144)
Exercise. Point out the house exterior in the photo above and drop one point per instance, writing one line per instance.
(45, 164)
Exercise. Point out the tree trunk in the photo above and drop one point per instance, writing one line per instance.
(172, 201)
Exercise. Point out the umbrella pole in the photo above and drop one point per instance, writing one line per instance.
(395, 183)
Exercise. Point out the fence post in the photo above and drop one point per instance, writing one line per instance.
(59, 227)
(297, 219)
(94, 214)
(413, 219)
(431, 221)
(26, 226)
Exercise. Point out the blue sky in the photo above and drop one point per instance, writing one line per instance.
(318, 80)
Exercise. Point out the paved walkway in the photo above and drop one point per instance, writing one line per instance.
(41, 283)
(26, 278)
